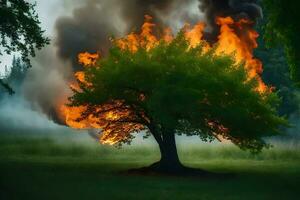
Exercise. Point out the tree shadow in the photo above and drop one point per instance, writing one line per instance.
(157, 169)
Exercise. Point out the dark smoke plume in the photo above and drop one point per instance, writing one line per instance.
(237, 9)
(86, 30)
(89, 27)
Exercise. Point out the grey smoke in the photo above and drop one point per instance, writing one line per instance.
(249, 8)
(47, 83)
(90, 26)
(88, 29)
(237, 9)
(15, 115)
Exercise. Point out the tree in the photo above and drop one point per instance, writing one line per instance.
(276, 73)
(15, 76)
(282, 28)
(20, 30)
(17, 72)
(173, 88)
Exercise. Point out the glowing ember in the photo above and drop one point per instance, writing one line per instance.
(236, 38)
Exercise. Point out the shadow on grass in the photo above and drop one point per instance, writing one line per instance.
(183, 171)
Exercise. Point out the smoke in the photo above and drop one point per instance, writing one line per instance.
(237, 9)
(46, 85)
(90, 26)
(16, 116)
(88, 29)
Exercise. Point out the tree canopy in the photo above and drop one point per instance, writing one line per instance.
(20, 30)
(282, 28)
(174, 88)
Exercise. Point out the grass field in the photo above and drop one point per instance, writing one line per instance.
(43, 168)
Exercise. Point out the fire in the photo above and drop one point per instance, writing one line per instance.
(72, 114)
(230, 43)
(194, 35)
(145, 39)
(236, 38)
(88, 59)
(108, 120)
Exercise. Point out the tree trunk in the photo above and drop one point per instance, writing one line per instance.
(169, 161)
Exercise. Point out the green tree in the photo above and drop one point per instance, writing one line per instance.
(16, 75)
(19, 30)
(283, 27)
(276, 73)
(173, 89)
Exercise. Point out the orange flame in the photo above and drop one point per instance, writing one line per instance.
(236, 38)
(88, 59)
(195, 34)
(229, 43)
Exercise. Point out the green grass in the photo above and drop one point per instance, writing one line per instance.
(43, 168)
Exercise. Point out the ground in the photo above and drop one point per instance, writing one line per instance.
(39, 168)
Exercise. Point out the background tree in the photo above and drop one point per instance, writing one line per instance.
(282, 28)
(15, 75)
(19, 30)
(174, 89)
(276, 73)
(18, 72)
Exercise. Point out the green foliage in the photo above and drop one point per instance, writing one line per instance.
(282, 28)
(19, 30)
(186, 91)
